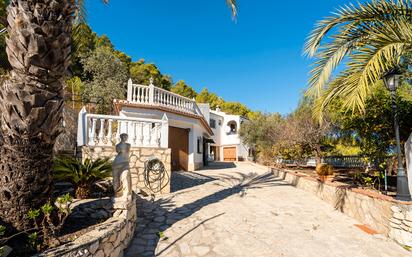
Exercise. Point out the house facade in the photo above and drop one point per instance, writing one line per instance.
(154, 117)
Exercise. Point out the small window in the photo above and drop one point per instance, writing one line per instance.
(220, 123)
(212, 123)
(232, 127)
(199, 145)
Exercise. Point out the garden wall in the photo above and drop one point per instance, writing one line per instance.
(138, 157)
(380, 212)
(109, 238)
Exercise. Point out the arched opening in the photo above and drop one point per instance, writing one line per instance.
(232, 127)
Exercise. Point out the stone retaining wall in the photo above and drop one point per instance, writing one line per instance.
(108, 239)
(382, 213)
(401, 224)
(138, 157)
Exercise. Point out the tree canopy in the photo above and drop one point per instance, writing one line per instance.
(141, 73)
(108, 77)
(183, 89)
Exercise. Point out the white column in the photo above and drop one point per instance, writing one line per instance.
(101, 132)
(82, 127)
(134, 134)
(151, 91)
(118, 132)
(146, 134)
(92, 133)
(192, 149)
(164, 132)
(129, 90)
(109, 133)
(140, 134)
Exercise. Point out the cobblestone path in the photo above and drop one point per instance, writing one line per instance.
(242, 210)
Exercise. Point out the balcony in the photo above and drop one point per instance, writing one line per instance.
(105, 130)
(155, 96)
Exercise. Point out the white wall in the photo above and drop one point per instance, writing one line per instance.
(196, 129)
(222, 138)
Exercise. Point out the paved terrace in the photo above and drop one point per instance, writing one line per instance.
(242, 210)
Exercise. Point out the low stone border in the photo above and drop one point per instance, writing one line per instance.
(109, 238)
(380, 212)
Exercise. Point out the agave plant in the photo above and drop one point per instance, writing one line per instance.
(373, 37)
(81, 174)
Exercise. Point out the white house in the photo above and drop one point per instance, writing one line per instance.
(158, 118)
(227, 144)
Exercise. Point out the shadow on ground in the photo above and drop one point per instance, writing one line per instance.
(157, 216)
(182, 180)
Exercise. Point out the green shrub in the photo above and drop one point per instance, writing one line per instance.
(324, 169)
(81, 174)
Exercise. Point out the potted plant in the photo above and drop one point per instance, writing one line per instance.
(325, 172)
(82, 175)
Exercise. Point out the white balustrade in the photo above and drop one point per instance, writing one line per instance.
(152, 95)
(105, 130)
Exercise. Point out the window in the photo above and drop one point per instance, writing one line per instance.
(220, 122)
(212, 123)
(232, 127)
(199, 145)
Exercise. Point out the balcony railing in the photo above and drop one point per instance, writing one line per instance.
(151, 95)
(105, 130)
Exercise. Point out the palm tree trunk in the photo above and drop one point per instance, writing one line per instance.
(31, 103)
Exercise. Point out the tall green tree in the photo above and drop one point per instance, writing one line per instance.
(372, 36)
(108, 78)
(183, 89)
(211, 98)
(141, 73)
(373, 131)
(235, 108)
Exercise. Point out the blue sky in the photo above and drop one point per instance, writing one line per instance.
(256, 60)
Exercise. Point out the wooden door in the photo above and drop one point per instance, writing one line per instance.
(179, 144)
(229, 154)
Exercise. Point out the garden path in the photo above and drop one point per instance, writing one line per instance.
(243, 210)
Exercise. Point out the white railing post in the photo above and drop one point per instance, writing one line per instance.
(134, 134)
(164, 134)
(82, 127)
(118, 132)
(129, 90)
(101, 132)
(109, 133)
(151, 91)
(92, 133)
(140, 134)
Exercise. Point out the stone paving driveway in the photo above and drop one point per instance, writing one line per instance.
(242, 210)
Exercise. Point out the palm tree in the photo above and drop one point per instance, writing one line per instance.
(31, 102)
(371, 37)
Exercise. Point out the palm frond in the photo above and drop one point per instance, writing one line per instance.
(233, 6)
(350, 14)
(373, 36)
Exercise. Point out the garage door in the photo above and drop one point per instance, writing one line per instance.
(229, 154)
(179, 144)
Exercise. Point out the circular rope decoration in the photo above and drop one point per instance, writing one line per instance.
(155, 175)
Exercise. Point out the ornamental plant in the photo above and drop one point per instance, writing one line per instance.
(81, 174)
